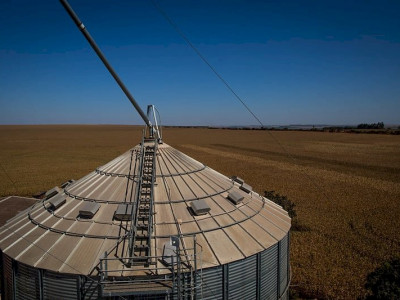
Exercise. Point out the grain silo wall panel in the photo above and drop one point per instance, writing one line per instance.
(242, 279)
(55, 285)
(90, 287)
(211, 284)
(283, 263)
(269, 273)
(8, 277)
(285, 295)
(184, 289)
(27, 282)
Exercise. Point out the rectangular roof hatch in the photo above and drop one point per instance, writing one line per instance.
(235, 197)
(56, 201)
(200, 207)
(89, 209)
(54, 191)
(67, 183)
(238, 179)
(123, 212)
(245, 187)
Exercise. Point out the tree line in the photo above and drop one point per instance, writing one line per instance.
(378, 125)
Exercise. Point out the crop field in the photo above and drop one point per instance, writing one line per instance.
(346, 187)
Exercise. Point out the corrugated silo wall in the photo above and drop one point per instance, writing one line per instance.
(261, 276)
(264, 275)
(20, 281)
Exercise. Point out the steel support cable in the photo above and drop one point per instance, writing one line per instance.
(9, 178)
(180, 32)
(302, 170)
(185, 38)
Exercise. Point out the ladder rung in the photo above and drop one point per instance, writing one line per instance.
(141, 236)
(141, 247)
(139, 258)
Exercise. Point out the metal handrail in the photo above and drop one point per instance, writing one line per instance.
(191, 262)
(175, 282)
(151, 204)
(132, 232)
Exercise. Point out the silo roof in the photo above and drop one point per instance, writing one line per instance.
(62, 241)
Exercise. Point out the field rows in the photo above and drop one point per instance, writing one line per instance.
(345, 186)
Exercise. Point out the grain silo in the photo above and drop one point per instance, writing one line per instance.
(151, 224)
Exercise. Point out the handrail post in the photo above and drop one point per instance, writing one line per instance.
(105, 265)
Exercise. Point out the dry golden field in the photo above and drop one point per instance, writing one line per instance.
(346, 187)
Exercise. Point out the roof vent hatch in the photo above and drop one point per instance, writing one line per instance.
(237, 179)
(54, 191)
(89, 209)
(123, 212)
(235, 197)
(200, 207)
(56, 201)
(245, 187)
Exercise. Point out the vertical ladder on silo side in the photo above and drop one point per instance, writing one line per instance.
(140, 244)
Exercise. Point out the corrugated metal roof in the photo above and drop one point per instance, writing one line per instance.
(60, 241)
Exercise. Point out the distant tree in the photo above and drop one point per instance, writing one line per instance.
(283, 201)
(384, 282)
(289, 206)
(361, 126)
(379, 125)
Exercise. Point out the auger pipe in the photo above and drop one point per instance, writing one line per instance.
(96, 48)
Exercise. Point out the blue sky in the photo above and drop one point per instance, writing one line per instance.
(293, 62)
